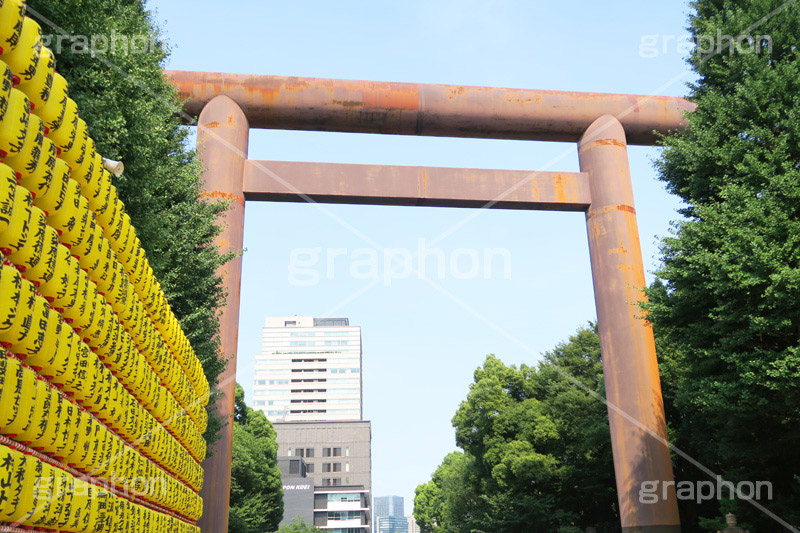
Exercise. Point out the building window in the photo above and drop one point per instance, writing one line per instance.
(337, 452)
(344, 497)
(310, 468)
(309, 452)
(326, 452)
(337, 467)
(299, 452)
(347, 467)
(326, 467)
(289, 323)
(332, 481)
(347, 451)
(331, 322)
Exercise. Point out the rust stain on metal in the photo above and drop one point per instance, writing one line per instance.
(558, 188)
(389, 97)
(222, 194)
(620, 250)
(609, 209)
(610, 142)
(535, 188)
(211, 125)
(348, 103)
(602, 142)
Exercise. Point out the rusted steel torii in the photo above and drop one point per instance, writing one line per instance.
(601, 124)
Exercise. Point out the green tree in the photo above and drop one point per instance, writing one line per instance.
(537, 451)
(256, 504)
(132, 114)
(448, 502)
(727, 301)
(298, 525)
(240, 408)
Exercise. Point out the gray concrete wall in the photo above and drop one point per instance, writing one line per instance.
(354, 438)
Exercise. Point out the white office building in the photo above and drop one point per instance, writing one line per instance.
(309, 369)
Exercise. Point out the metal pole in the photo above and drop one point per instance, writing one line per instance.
(222, 136)
(290, 103)
(633, 388)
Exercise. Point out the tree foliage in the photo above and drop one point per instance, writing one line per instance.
(256, 491)
(132, 114)
(536, 450)
(299, 525)
(727, 301)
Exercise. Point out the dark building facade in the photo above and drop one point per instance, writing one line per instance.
(298, 490)
(330, 504)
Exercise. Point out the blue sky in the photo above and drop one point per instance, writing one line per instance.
(422, 341)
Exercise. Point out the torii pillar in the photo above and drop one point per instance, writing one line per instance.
(222, 139)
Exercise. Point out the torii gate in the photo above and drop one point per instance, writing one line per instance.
(601, 124)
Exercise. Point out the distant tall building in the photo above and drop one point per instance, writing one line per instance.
(413, 527)
(392, 524)
(389, 506)
(309, 369)
(307, 380)
(389, 515)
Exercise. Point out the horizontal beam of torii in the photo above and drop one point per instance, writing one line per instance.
(318, 104)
